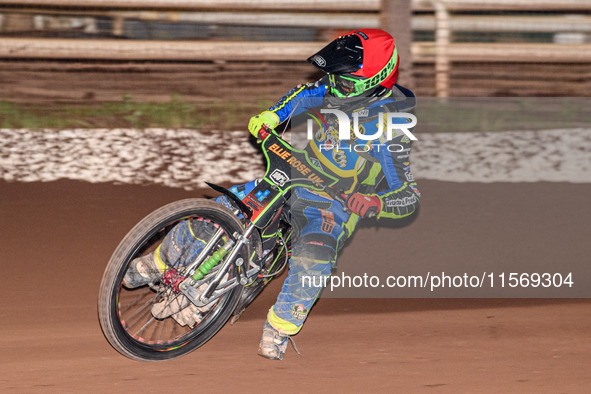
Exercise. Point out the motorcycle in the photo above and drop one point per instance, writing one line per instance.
(247, 246)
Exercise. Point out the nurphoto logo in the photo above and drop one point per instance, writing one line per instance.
(407, 121)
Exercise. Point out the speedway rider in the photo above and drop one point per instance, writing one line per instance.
(362, 69)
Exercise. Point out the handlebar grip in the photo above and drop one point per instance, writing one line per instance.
(337, 194)
(264, 133)
(372, 213)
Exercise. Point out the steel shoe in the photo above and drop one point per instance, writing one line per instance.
(273, 343)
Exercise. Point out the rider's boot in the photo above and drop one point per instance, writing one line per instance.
(141, 271)
(273, 343)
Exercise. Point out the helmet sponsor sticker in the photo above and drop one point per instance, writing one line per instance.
(362, 34)
(319, 60)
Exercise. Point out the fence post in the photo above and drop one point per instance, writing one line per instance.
(442, 33)
(395, 16)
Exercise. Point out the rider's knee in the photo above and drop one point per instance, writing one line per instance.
(315, 247)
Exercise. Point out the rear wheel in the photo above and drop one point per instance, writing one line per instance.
(127, 316)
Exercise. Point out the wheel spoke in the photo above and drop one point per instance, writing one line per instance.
(140, 310)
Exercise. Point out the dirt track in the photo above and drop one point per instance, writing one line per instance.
(58, 236)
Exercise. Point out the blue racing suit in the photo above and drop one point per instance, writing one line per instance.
(321, 224)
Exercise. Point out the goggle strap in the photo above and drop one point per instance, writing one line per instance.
(364, 85)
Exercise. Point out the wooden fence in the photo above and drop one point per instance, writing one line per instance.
(306, 5)
(436, 15)
(422, 52)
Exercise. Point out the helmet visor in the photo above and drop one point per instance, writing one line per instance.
(343, 55)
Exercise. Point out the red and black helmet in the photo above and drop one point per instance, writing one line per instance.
(359, 61)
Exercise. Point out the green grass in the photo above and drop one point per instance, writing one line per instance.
(434, 115)
(128, 113)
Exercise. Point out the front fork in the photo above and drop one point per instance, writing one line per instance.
(189, 286)
(241, 241)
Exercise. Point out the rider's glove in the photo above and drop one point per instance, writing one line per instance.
(266, 118)
(364, 205)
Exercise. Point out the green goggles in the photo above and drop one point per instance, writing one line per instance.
(348, 85)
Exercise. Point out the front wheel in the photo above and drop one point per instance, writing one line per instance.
(127, 315)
